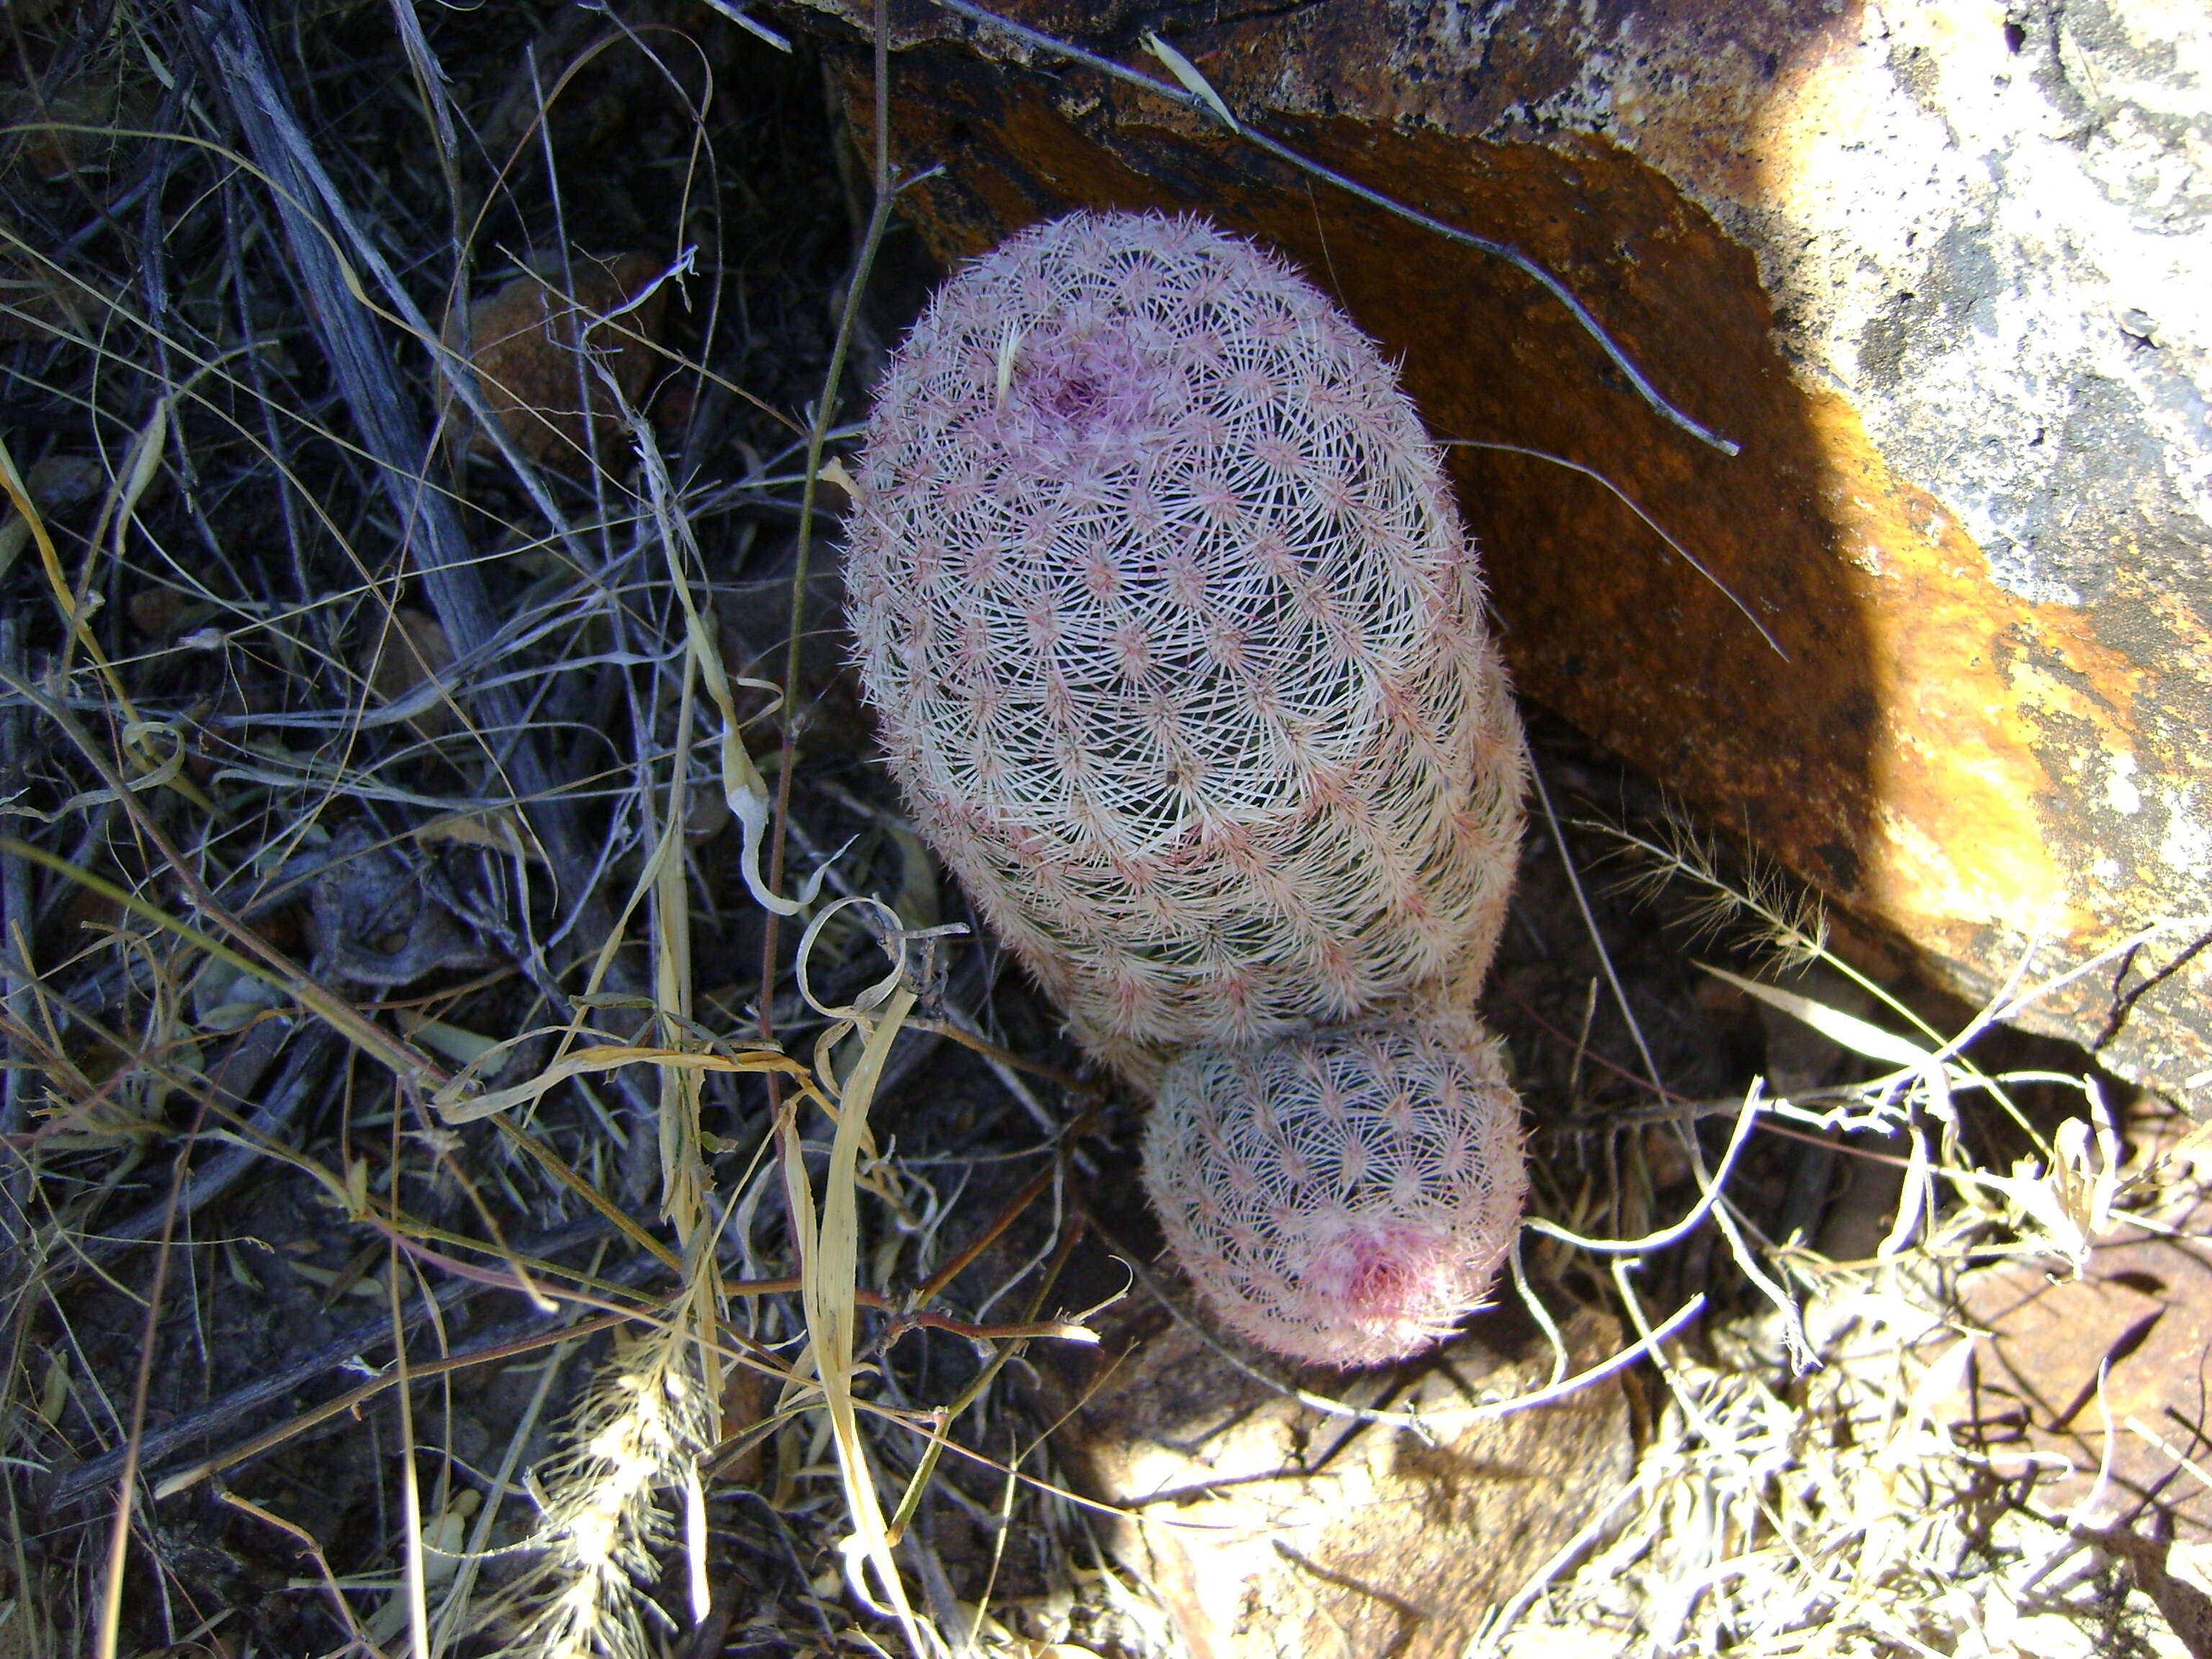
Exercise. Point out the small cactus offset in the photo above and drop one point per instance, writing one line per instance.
(1178, 644)
(1341, 1197)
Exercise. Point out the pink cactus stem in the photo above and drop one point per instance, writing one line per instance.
(1344, 1197)
(1177, 642)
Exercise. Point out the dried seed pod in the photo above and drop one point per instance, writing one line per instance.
(1341, 1197)
(1178, 641)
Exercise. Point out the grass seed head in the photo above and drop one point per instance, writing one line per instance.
(1178, 641)
(1341, 1197)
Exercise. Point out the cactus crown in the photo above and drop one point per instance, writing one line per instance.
(1178, 641)
(1342, 1197)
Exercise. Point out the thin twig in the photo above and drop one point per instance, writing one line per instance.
(817, 431)
(1597, 937)
(18, 925)
(231, 1083)
(109, 1630)
(1710, 1197)
(1649, 522)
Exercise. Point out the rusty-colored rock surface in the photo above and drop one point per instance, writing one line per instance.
(1940, 268)
(1272, 1531)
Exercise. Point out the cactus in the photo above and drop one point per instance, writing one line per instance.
(1177, 643)
(1178, 648)
(1339, 1197)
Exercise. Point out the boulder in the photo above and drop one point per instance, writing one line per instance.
(1938, 268)
(1270, 1530)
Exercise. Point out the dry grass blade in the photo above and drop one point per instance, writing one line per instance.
(369, 383)
(1860, 1037)
(72, 606)
(1649, 522)
(271, 968)
(183, 1480)
(309, 703)
(1848, 1510)
(828, 1270)
(457, 1107)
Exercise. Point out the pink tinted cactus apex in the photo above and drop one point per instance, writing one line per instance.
(1342, 1197)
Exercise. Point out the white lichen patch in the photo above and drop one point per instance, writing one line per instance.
(2186, 846)
(1985, 225)
(2121, 793)
(1994, 247)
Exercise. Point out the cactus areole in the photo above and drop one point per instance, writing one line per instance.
(1178, 641)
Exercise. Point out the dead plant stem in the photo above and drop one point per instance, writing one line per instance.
(818, 433)
(18, 927)
(126, 1485)
(407, 1064)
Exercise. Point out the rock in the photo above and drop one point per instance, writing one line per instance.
(523, 343)
(56, 485)
(73, 128)
(1938, 268)
(2088, 1391)
(1272, 1531)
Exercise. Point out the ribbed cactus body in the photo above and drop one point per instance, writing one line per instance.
(1178, 641)
(1344, 1196)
